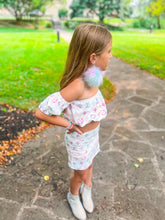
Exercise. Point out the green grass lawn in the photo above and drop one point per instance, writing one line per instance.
(31, 64)
(141, 49)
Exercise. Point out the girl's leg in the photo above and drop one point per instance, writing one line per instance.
(86, 191)
(88, 180)
(73, 196)
(78, 177)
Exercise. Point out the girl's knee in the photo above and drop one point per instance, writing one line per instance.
(80, 174)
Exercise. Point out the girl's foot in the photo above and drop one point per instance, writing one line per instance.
(76, 206)
(86, 196)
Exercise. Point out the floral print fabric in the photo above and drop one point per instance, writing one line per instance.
(80, 112)
(82, 148)
(53, 104)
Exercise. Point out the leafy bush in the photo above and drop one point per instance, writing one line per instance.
(145, 23)
(49, 24)
(62, 13)
(71, 24)
(136, 24)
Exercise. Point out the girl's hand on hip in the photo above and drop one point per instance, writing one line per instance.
(75, 129)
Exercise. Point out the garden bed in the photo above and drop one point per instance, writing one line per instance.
(16, 127)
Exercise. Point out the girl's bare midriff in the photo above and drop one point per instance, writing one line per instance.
(92, 125)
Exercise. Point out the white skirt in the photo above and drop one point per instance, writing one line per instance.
(82, 148)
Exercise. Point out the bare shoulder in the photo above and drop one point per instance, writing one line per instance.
(73, 91)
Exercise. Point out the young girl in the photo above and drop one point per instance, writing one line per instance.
(79, 107)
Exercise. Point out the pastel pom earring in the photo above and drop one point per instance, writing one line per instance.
(93, 76)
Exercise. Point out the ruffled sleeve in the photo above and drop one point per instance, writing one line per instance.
(54, 104)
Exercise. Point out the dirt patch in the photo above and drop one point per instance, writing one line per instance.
(16, 127)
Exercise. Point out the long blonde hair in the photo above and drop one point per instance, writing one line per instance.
(87, 39)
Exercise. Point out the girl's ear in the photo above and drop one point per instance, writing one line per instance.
(92, 58)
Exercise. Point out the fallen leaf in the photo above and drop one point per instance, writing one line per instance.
(46, 178)
(140, 160)
(136, 165)
(57, 135)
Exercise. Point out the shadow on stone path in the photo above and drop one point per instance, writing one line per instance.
(134, 128)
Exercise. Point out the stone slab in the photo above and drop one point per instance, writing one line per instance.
(140, 100)
(156, 119)
(139, 204)
(8, 210)
(110, 167)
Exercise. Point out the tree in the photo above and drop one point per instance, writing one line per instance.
(157, 8)
(107, 8)
(62, 13)
(77, 9)
(101, 8)
(15, 7)
(125, 9)
(19, 8)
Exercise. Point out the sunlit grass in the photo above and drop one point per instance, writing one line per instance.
(31, 65)
(142, 50)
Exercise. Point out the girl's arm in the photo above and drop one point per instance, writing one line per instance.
(70, 93)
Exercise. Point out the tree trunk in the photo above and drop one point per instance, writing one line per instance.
(18, 16)
(159, 27)
(101, 19)
(18, 19)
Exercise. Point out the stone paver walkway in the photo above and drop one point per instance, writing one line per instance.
(134, 128)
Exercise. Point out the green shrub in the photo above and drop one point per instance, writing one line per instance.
(136, 24)
(71, 24)
(49, 24)
(145, 23)
(62, 13)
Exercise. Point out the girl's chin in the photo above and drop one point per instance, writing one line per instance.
(105, 68)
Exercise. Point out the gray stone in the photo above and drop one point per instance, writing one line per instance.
(155, 119)
(36, 214)
(110, 167)
(103, 201)
(8, 210)
(160, 156)
(20, 189)
(133, 149)
(140, 100)
(156, 138)
(147, 93)
(128, 111)
(160, 108)
(136, 124)
(139, 204)
(126, 133)
(43, 202)
(145, 175)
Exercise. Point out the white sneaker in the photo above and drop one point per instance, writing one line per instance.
(76, 206)
(86, 196)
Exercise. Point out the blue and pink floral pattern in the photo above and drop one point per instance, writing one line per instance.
(80, 112)
(82, 148)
